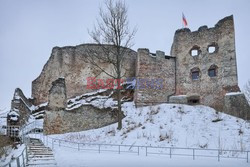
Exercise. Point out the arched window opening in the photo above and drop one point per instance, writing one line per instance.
(212, 71)
(212, 48)
(195, 73)
(195, 51)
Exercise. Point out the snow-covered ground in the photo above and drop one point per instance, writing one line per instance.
(67, 157)
(171, 125)
(164, 125)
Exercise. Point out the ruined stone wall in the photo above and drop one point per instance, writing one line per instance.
(210, 89)
(155, 77)
(57, 95)
(237, 105)
(71, 63)
(20, 106)
(83, 118)
(58, 119)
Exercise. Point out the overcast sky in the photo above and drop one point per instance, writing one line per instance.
(29, 29)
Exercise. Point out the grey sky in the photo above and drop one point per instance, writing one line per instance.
(29, 29)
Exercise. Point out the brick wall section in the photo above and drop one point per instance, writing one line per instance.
(71, 63)
(210, 89)
(150, 68)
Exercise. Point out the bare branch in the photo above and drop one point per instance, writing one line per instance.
(247, 90)
(112, 34)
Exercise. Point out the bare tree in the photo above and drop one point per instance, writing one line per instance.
(113, 35)
(247, 90)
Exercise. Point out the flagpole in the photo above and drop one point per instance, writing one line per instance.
(182, 21)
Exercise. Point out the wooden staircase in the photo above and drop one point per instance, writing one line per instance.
(39, 154)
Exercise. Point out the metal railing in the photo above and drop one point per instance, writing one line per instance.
(20, 132)
(19, 161)
(194, 153)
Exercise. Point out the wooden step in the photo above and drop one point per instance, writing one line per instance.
(39, 149)
(36, 145)
(38, 164)
(39, 155)
(30, 153)
(42, 158)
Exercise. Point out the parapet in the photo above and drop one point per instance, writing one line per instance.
(226, 23)
(158, 55)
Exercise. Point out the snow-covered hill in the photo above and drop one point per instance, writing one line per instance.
(171, 125)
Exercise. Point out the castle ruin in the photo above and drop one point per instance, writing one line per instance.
(201, 69)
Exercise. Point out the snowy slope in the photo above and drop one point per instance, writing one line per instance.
(171, 125)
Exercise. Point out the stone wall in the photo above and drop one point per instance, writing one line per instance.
(57, 95)
(20, 108)
(58, 119)
(236, 104)
(210, 89)
(71, 63)
(83, 118)
(181, 99)
(155, 75)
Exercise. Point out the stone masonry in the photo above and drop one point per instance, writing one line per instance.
(20, 109)
(210, 89)
(71, 63)
(57, 95)
(155, 74)
(201, 69)
(232, 101)
(58, 119)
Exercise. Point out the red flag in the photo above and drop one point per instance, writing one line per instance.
(184, 20)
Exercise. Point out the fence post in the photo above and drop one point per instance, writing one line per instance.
(52, 144)
(10, 164)
(119, 149)
(99, 148)
(22, 136)
(170, 152)
(138, 150)
(218, 155)
(78, 146)
(193, 154)
(247, 156)
(18, 162)
(146, 151)
(26, 151)
(23, 160)
(59, 142)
